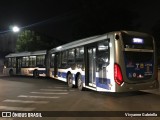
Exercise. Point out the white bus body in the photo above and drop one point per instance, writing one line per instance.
(109, 62)
(26, 63)
(118, 61)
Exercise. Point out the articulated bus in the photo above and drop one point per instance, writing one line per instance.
(26, 63)
(118, 61)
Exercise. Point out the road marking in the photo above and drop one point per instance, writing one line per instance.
(24, 101)
(16, 108)
(60, 87)
(28, 96)
(57, 86)
(6, 118)
(49, 93)
(55, 90)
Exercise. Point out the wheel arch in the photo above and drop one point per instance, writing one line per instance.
(34, 73)
(35, 70)
(67, 75)
(76, 80)
(11, 72)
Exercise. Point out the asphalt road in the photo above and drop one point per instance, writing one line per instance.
(45, 94)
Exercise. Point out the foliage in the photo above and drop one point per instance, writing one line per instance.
(31, 41)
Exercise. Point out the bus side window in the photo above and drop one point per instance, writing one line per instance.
(103, 54)
(79, 54)
(52, 60)
(25, 61)
(14, 62)
(32, 61)
(59, 59)
(71, 55)
(9, 62)
(40, 60)
(64, 58)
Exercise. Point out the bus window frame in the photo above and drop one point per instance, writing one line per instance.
(102, 52)
(72, 59)
(41, 63)
(79, 59)
(24, 62)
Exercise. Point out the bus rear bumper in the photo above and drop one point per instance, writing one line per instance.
(137, 86)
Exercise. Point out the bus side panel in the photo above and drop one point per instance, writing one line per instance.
(51, 72)
(112, 61)
(110, 85)
(7, 70)
(62, 74)
(29, 71)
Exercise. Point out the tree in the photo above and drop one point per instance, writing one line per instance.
(31, 41)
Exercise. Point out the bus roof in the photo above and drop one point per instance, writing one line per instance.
(26, 53)
(93, 39)
(79, 43)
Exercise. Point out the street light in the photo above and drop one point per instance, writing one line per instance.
(15, 29)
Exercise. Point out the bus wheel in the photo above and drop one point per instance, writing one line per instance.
(70, 80)
(35, 73)
(80, 83)
(11, 73)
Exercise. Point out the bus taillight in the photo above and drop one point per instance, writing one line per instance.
(118, 74)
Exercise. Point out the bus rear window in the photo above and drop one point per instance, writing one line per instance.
(137, 41)
(138, 57)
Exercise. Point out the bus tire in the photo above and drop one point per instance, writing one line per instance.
(70, 80)
(11, 72)
(35, 73)
(80, 83)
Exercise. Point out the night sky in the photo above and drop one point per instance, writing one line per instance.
(68, 20)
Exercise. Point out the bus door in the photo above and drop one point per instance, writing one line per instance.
(18, 65)
(56, 65)
(91, 67)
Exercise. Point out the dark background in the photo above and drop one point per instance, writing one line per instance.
(69, 20)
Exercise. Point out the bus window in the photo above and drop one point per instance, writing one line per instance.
(40, 61)
(9, 62)
(13, 62)
(25, 61)
(32, 61)
(103, 58)
(79, 54)
(103, 54)
(64, 57)
(103, 46)
(137, 42)
(59, 59)
(52, 60)
(71, 55)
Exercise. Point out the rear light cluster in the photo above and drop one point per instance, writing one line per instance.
(118, 74)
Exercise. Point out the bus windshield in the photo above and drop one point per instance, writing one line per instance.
(139, 64)
(137, 41)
